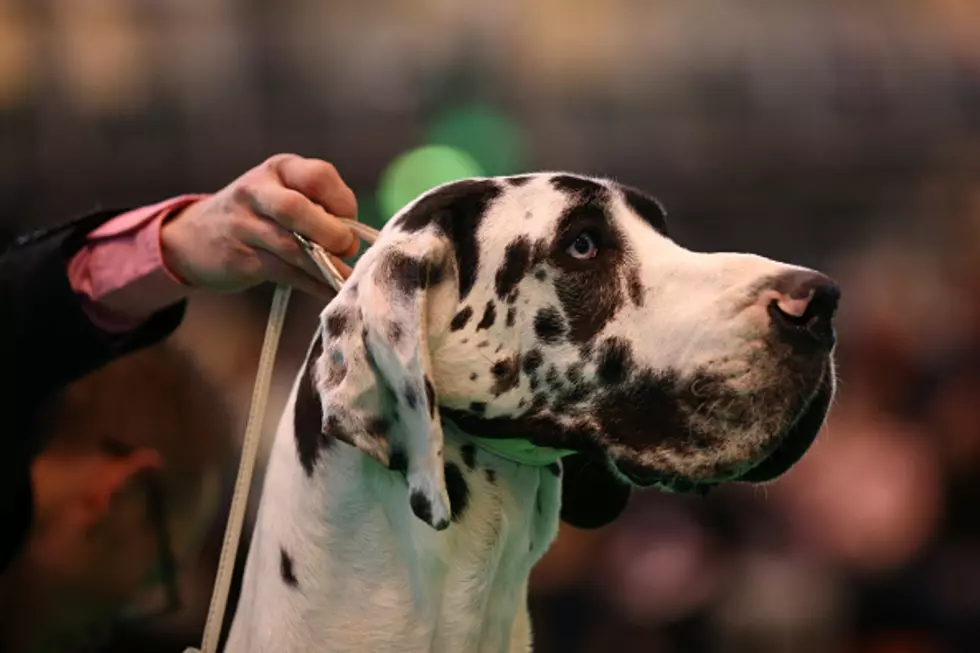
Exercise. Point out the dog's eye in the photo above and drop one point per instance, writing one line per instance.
(583, 247)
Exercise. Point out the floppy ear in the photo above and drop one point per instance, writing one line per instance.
(591, 494)
(374, 377)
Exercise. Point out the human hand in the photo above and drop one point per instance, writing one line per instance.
(240, 236)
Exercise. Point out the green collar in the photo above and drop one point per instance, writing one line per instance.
(521, 451)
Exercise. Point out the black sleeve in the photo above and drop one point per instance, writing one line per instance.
(46, 342)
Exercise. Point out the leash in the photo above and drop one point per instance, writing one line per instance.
(519, 451)
(253, 432)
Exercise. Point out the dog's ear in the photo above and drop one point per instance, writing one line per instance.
(591, 494)
(374, 376)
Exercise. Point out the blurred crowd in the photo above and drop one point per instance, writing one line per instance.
(832, 134)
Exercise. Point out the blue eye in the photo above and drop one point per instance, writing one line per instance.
(583, 247)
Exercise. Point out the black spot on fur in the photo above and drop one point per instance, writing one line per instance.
(554, 468)
(520, 180)
(334, 430)
(286, 568)
(489, 316)
(634, 285)
(468, 452)
(538, 403)
(483, 343)
(549, 325)
(394, 332)
(456, 210)
(542, 248)
(551, 377)
(339, 321)
(479, 407)
(377, 428)
(615, 361)
(430, 396)
(532, 361)
(517, 261)
(460, 319)
(523, 401)
(398, 461)
(411, 396)
(540, 274)
(585, 349)
(421, 506)
(648, 209)
(574, 372)
(571, 398)
(514, 294)
(474, 376)
(511, 315)
(534, 383)
(491, 475)
(336, 370)
(368, 354)
(506, 374)
(458, 490)
(409, 274)
(308, 413)
(577, 185)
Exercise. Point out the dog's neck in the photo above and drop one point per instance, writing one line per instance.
(339, 554)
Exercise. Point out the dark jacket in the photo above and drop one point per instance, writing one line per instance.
(46, 342)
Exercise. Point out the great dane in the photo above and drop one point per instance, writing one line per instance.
(511, 352)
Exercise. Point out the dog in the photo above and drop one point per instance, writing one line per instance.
(511, 352)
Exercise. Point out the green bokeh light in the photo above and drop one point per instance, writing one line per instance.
(418, 170)
(488, 136)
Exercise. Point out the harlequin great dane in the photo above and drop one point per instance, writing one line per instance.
(511, 352)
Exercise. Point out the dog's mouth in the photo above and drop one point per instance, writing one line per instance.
(791, 447)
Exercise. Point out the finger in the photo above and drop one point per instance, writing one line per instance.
(342, 268)
(267, 235)
(278, 271)
(293, 211)
(317, 180)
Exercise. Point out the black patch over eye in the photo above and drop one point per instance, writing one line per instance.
(589, 289)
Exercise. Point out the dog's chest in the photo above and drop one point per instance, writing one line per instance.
(339, 563)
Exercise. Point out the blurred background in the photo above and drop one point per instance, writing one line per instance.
(837, 134)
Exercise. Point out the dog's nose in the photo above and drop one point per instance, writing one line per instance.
(803, 310)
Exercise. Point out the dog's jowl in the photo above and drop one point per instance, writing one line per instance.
(512, 352)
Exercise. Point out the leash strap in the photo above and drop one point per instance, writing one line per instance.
(253, 433)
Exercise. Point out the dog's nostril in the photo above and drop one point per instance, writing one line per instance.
(806, 307)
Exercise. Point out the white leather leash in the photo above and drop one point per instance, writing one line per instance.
(253, 433)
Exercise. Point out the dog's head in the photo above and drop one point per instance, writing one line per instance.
(555, 309)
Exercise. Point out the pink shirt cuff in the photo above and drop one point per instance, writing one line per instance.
(120, 275)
